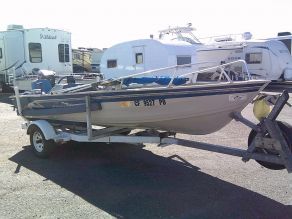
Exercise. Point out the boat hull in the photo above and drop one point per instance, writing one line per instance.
(189, 110)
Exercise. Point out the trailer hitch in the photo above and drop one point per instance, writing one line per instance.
(274, 136)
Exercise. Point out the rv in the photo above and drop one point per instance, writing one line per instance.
(86, 60)
(267, 59)
(146, 54)
(30, 49)
(81, 60)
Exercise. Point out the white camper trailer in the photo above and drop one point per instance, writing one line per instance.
(146, 54)
(267, 59)
(37, 48)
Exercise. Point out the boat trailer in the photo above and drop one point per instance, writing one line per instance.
(270, 141)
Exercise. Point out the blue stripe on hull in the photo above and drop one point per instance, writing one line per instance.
(172, 95)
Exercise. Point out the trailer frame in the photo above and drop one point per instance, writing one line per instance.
(60, 133)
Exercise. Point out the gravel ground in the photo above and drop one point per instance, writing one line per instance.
(126, 181)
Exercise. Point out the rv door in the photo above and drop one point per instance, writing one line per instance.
(2, 61)
(258, 61)
(2, 56)
(139, 58)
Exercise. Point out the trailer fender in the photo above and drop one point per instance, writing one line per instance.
(46, 128)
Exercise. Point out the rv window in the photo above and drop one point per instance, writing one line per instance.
(183, 60)
(139, 58)
(112, 63)
(63, 50)
(0, 53)
(253, 58)
(35, 52)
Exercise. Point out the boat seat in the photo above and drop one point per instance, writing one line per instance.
(157, 80)
(43, 84)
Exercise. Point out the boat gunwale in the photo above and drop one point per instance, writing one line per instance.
(143, 90)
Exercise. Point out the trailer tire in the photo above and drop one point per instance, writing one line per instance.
(41, 147)
(287, 133)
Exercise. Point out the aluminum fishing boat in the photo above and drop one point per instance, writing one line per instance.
(192, 108)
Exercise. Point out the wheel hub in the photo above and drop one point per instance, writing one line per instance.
(38, 142)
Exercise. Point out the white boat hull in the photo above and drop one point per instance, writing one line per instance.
(199, 112)
(194, 115)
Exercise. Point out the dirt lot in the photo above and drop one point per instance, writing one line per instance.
(126, 181)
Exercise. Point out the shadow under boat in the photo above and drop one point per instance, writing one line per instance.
(6, 98)
(128, 181)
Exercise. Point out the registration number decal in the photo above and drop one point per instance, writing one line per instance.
(149, 102)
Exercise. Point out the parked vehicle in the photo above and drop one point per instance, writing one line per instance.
(266, 59)
(146, 54)
(36, 48)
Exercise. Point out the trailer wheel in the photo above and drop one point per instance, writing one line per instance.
(41, 147)
(287, 133)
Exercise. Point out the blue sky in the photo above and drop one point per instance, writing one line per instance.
(101, 24)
